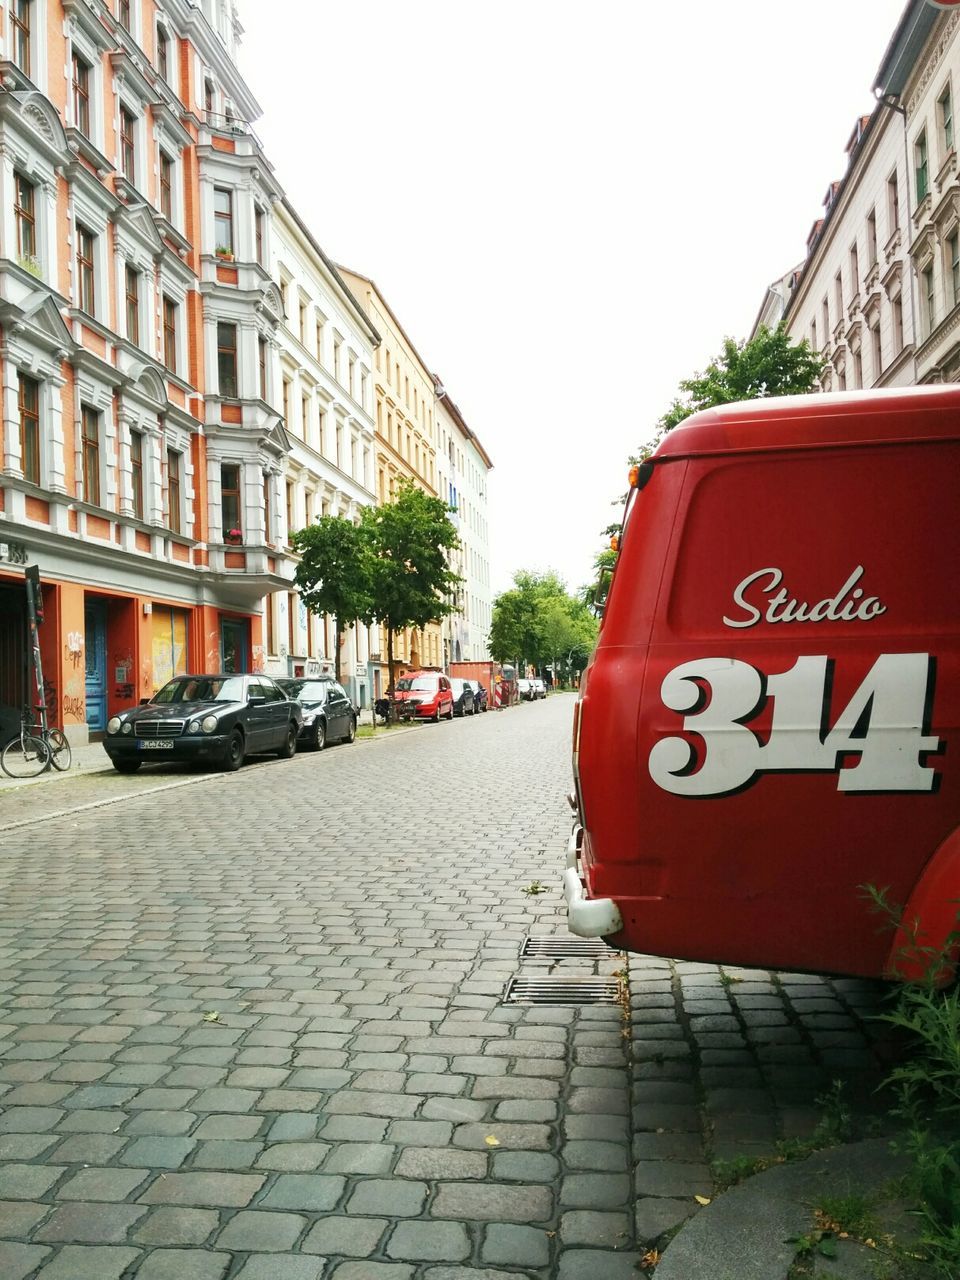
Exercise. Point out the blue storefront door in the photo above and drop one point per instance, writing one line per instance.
(96, 649)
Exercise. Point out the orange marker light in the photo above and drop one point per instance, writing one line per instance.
(633, 475)
(615, 543)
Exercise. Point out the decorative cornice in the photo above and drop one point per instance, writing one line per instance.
(933, 62)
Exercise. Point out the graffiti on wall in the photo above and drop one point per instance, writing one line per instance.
(73, 649)
(259, 658)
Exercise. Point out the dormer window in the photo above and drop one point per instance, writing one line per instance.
(20, 25)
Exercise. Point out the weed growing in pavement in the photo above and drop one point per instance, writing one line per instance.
(532, 889)
(835, 1126)
(928, 1085)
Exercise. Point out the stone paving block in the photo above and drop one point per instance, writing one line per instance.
(373, 1271)
(587, 1227)
(27, 1181)
(316, 1193)
(177, 1226)
(19, 1217)
(660, 1178)
(346, 1237)
(514, 1087)
(226, 1154)
(653, 1215)
(456, 1109)
(222, 1099)
(277, 1266)
(24, 1146)
(433, 1163)
(86, 1223)
(160, 1124)
(30, 1119)
(290, 1100)
(523, 1137)
(19, 1260)
(606, 1157)
(184, 1264)
(525, 1166)
(418, 1133)
(260, 1232)
(292, 1126)
(595, 1190)
(102, 1184)
(429, 1242)
(361, 1103)
(359, 1157)
(492, 1202)
(390, 1197)
(158, 1153)
(514, 1246)
(227, 1190)
(83, 1262)
(454, 1272)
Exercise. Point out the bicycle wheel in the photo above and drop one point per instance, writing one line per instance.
(60, 753)
(25, 757)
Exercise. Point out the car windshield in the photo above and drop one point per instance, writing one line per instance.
(458, 687)
(305, 690)
(428, 683)
(203, 689)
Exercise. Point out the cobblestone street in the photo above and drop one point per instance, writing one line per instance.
(252, 1026)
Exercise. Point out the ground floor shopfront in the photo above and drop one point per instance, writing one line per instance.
(104, 649)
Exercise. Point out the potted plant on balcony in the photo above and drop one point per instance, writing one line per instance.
(223, 253)
(233, 536)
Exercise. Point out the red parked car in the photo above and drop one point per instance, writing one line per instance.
(427, 693)
(771, 720)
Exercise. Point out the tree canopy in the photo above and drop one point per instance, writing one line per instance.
(538, 622)
(333, 575)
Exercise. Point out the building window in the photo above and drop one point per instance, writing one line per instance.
(871, 237)
(227, 359)
(953, 263)
(857, 370)
(877, 352)
(897, 308)
(136, 472)
(170, 334)
(81, 94)
(893, 204)
(271, 636)
(291, 621)
(945, 106)
(262, 365)
(854, 269)
(305, 414)
(90, 435)
(132, 294)
(163, 53)
(86, 291)
(208, 98)
(266, 521)
(222, 220)
(838, 293)
(813, 334)
(339, 458)
(123, 13)
(28, 399)
(230, 508)
(920, 164)
(826, 330)
(337, 343)
(173, 491)
(127, 149)
(25, 213)
(320, 339)
(286, 402)
(926, 294)
(258, 231)
(289, 509)
(166, 186)
(20, 22)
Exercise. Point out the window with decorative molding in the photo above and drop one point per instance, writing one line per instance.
(20, 15)
(25, 214)
(132, 296)
(86, 275)
(227, 360)
(166, 186)
(927, 299)
(163, 52)
(953, 266)
(128, 145)
(81, 94)
(170, 335)
(230, 500)
(223, 221)
(921, 166)
(28, 402)
(945, 115)
(174, 499)
(136, 472)
(893, 204)
(90, 442)
(871, 237)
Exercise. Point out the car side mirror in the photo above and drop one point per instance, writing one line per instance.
(256, 700)
(144, 702)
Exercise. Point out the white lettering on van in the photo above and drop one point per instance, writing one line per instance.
(878, 742)
(850, 604)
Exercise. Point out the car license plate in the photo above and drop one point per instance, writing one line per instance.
(155, 745)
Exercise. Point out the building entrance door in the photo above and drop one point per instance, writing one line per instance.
(95, 640)
(234, 647)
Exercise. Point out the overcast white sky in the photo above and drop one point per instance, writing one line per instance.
(568, 205)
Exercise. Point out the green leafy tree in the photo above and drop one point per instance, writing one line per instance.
(538, 621)
(334, 573)
(411, 581)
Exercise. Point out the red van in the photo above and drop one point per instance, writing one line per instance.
(770, 720)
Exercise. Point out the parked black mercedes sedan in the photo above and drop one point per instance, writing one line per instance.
(328, 714)
(213, 719)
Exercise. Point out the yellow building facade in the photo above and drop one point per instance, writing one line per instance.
(405, 435)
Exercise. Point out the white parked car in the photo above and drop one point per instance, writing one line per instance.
(539, 687)
(525, 689)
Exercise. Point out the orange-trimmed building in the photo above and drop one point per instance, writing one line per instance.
(138, 319)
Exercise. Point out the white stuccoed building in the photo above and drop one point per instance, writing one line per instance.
(318, 378)
(463, 468)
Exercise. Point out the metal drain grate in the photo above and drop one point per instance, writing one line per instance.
(532, 990)
(562, 947)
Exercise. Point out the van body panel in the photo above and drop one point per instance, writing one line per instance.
(771, 720)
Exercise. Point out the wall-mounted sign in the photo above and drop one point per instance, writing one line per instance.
(361, 671)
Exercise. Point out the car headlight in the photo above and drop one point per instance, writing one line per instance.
(127, 727)
(193, 726)
(113, 724)
(209, 724)
(309, 717)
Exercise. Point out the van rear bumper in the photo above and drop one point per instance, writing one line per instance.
(586, 917)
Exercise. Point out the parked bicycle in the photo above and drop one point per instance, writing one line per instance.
(35, 749)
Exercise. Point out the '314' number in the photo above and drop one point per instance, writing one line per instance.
(882, 726)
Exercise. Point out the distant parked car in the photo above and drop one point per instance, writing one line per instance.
(525, 689)
(215, 719)
(539, 687)
(479, 695)
(463, 698)
(427, 694)
(328, 714)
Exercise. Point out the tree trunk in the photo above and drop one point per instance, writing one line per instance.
(391, 684)
(337, 635)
